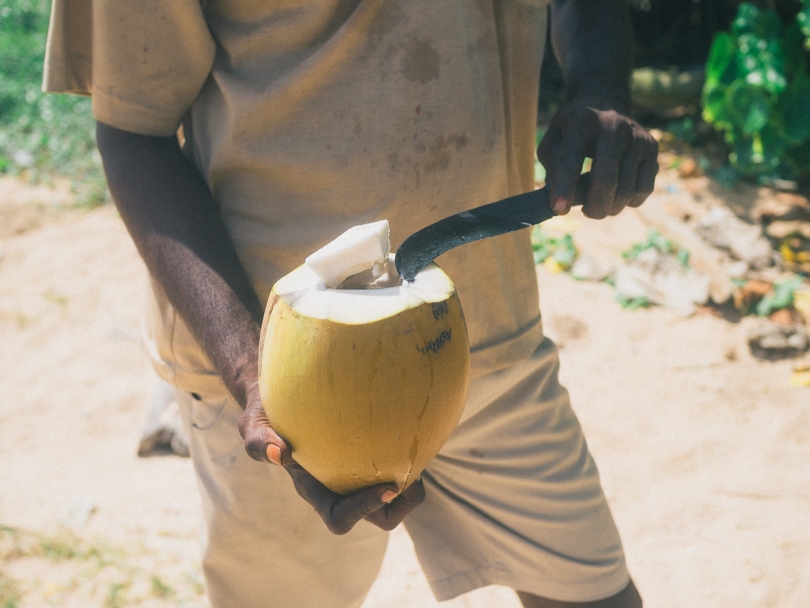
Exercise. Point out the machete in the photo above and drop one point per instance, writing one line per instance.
(510, 214)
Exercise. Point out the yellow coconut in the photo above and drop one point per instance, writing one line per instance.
(366, 384)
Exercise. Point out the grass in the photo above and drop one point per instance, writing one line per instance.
(75, 567)
(43, 137)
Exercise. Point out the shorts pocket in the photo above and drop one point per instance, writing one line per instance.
(213, 426)
(204, 413)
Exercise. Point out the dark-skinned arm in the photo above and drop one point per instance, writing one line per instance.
(593, 43)
(175, 224)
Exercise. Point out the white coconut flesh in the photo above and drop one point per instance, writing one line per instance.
(367, 383)
(368, 300)
(359, 249)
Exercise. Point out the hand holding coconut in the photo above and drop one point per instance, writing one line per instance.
(380, 505)
(365, 376)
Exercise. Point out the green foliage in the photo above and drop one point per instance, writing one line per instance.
(42, 135)
(560, 250)
(159, 588)
(655, 240)
(780, 297)
(757, 92)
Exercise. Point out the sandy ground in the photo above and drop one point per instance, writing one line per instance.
(703, 450)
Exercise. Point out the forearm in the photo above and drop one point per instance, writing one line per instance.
(176, 227)
(593, 43)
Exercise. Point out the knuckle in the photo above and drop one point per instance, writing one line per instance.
(339, 528)
(255, 448)
(419, 493)
(623, 128)
(603, 186)
(247, 422)
(595, 213)
(387, 525)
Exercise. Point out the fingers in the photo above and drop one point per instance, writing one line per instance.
(645, 181)
(262, 443)
(380, 504)
(341, 513)
(562, 152)
(625, 159)
(390, 515)
(623, 171)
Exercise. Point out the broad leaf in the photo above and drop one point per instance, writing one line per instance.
(751, 20)
(715, 108)
(794, 109)
(750, 105)
(721, 66)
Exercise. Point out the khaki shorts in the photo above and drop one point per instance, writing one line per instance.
(513, 499)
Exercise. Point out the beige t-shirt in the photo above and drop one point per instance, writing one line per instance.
(307, 117)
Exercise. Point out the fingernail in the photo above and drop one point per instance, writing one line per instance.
(560, 206)
(389, 495)
(274, 454)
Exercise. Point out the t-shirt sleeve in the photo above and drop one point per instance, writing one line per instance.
(142, 62)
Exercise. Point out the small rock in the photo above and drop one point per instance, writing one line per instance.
(24, 159)
(787, 317)
(744, 241)
(780, 229)
(770, 340)
(78, 512)
(689, 168)
(586, 268)
(737, 270)
(661, 279)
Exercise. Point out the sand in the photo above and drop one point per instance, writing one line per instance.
(703, 449)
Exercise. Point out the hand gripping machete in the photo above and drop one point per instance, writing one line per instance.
(510, 214)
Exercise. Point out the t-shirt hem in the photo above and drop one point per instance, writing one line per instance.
(67, 75)
(483, 360)
(133, 118)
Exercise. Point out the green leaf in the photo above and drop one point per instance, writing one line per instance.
(803, 19)
(751, 20)
(799, 158)
(750, 106)
(744, 155)
(780, 297)
(715, 108)
(721, 66)
(762, 62)
(794, 109)
(632, 303)
(792, 42)
(773, 144)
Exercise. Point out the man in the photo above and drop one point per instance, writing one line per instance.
(300, 119)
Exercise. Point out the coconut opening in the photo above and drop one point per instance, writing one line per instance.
(380, 276)
(363, 298)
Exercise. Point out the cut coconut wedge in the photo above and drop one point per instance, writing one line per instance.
(359, 249)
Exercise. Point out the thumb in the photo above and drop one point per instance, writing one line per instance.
(262, 443)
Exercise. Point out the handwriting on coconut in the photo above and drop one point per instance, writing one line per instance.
(434, 345)
(439, 309)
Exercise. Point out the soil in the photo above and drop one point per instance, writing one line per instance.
(702, 447)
